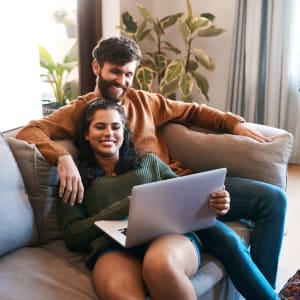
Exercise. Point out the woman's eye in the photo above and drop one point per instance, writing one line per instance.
(116, 127)
(100, 127)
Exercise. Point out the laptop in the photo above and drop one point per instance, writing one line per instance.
(178, 205)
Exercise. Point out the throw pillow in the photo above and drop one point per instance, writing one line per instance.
(17, 227)
(41, 182)
(243, 156)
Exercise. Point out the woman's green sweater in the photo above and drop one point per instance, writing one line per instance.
(107, 198)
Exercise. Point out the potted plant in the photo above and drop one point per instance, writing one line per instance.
(57, 75)
(173, 70)
(67, 18)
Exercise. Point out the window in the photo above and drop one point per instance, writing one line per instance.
(58, 37)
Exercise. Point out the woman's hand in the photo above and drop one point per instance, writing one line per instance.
(220, 202)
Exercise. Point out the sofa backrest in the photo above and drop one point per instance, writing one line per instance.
(198, 151)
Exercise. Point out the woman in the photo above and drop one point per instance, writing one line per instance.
(110, 166)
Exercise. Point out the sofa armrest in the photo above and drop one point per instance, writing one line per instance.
(202, 150)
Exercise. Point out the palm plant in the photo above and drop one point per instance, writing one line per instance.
(57, 74)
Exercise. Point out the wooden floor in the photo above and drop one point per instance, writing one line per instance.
(290, 254)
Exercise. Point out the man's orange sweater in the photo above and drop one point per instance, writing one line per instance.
(146, 114)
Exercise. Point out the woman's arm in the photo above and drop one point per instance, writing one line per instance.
(79, 230)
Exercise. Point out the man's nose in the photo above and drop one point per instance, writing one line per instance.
(121, 80)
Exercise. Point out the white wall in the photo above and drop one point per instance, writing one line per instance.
(19, 64)
(110, 18)
(219, 47)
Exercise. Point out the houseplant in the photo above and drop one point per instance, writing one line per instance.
(67, 18)
(57, 74)
(168, 68)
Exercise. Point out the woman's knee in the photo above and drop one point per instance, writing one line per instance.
(156, 261)
(118, 276)
(170, 256)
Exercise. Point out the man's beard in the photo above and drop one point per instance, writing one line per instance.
(104, 88)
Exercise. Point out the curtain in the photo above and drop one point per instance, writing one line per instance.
(264, 75)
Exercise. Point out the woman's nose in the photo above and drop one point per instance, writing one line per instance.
(108, 130)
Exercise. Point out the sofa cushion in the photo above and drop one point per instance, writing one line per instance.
(41, 182)
(243, 156)
(17, 227)
(34, 273)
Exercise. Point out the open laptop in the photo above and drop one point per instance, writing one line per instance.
(177, 205)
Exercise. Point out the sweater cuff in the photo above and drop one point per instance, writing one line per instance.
(231, 120)
(118, 210)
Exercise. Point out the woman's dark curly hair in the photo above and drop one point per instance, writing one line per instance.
(89, 169)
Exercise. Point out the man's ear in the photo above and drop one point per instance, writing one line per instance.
(96, 67)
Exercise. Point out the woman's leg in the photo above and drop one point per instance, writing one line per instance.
(118, 276)
(168, 264)
(221, 241)
(265, 205)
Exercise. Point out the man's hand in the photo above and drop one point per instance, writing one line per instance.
(71, 187)
(220, 202)
(243, 129)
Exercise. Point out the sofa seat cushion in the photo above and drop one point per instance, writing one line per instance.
(51, 271)
(17, 227)
(41, 273)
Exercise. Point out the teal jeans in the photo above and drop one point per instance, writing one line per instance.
(254, 271)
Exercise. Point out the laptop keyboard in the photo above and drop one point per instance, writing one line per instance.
(123, 230)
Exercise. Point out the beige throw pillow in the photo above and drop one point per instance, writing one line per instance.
(41, 182)
(242, 156)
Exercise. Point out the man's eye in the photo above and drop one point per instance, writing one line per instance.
(114, 71)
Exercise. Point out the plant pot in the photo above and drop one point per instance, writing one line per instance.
(49, 108)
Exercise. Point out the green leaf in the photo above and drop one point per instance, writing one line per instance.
(208, 16)
(142, 32)
(197, 23)
(145, 13)
(211, 31)
(185, 30)
(201, 84)
(173, 71)
(158, 29)
(144, 77)
(186, 85)
(168, 46)
(192, 66)
(203, 58)
(129, 22)
(46, 60)
(170, 20)
(72, 55)
(167, 89)
(190, 10)
(160, 62)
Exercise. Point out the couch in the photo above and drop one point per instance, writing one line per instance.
(34, 262)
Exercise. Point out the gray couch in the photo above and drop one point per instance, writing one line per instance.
(35, 264)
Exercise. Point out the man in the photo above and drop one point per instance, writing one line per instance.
(114, 64)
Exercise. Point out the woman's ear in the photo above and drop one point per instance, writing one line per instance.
(86, 136)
